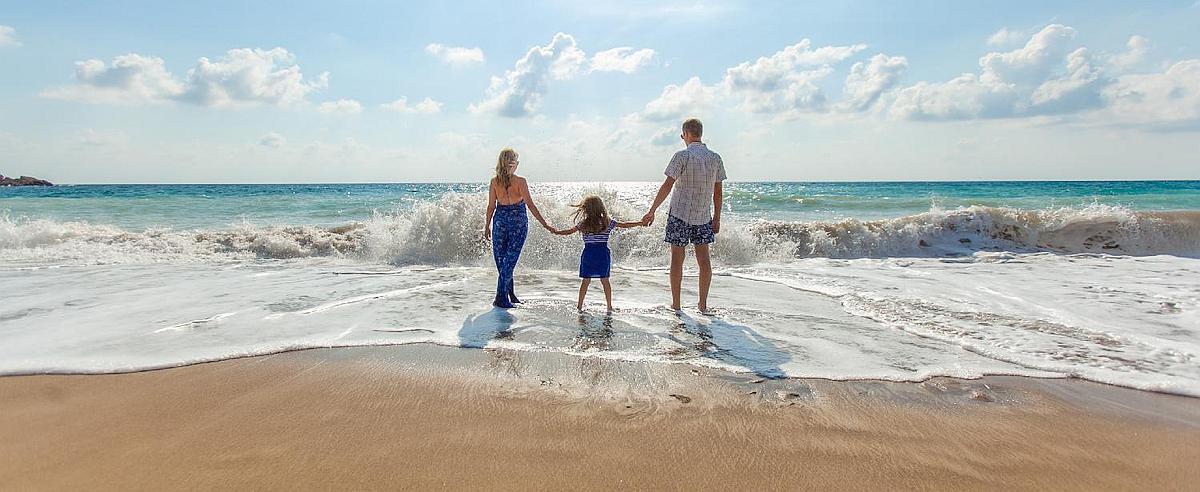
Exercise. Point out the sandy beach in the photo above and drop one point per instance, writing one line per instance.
(422, 417)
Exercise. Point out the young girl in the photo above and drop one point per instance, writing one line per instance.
(592, 220)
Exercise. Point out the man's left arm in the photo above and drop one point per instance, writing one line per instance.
(718, 195)
(717, 207)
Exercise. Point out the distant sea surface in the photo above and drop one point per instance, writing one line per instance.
(199, 205)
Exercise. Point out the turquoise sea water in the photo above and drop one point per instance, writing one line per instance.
(210, 206)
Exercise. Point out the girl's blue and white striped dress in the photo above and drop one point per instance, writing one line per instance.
(596, 261)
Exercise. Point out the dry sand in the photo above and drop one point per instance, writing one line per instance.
(422, 417)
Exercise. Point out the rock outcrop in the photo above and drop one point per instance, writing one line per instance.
(23, 181)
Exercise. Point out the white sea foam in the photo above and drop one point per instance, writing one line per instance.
(1095, 292)
(449, 232)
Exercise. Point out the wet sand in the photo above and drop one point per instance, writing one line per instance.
(421, 417)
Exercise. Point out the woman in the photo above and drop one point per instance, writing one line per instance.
(508, 195)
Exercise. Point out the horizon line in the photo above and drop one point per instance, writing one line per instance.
(898, 181)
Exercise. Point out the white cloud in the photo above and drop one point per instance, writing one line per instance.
(519, 93)
(667, 138)
(677, 101)
(1167, 100)
(624, 59)
(8, 37)
(1006, 37)
(340, 106)
(1079, 89)
(569, 62)
(240, 78)
(1031, 63)
(1046, 77)
(273, 140)
(426, 106)
(784, 83)
(963, 97)
(455, 55)
(786, 80)
(867, 81)
(1135, 51)
(250, 76)
(1020, 82)
(131, 78)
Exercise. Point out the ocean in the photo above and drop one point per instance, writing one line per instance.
(890, 281)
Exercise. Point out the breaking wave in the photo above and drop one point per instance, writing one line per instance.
(449, 231)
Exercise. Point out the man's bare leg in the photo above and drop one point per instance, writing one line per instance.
(677, 254)
(705, 265)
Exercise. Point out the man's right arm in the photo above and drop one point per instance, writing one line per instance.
(663, 191)
(674, 169)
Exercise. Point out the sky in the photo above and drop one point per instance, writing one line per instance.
(353, 91)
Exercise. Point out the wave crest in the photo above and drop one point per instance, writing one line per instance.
(449, 231)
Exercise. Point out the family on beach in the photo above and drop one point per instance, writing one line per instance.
(693, 180)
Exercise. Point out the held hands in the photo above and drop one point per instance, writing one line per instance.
(648, 219)
(716, 224)
(560, 232)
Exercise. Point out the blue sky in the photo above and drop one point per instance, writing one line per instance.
(367, 91)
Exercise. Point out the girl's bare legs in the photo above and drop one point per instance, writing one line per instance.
(583, 287)
(607, 293)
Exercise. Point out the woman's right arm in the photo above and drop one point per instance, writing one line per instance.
(491, 210)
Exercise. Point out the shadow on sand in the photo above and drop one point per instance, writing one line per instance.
(478, 329)
(739, 345)
(595, 332)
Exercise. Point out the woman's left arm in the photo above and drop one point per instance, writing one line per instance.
(537, 214)
(718, 195)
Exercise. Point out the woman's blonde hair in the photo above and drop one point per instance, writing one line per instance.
(503, 174)
(591, 215)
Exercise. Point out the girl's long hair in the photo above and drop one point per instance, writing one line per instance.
(503, 174)
(591, 215)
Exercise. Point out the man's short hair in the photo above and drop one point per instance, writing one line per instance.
(694, 127)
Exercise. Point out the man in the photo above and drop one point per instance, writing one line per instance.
(695, 174)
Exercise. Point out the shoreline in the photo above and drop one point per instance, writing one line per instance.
(690, 364)
(427, 416)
